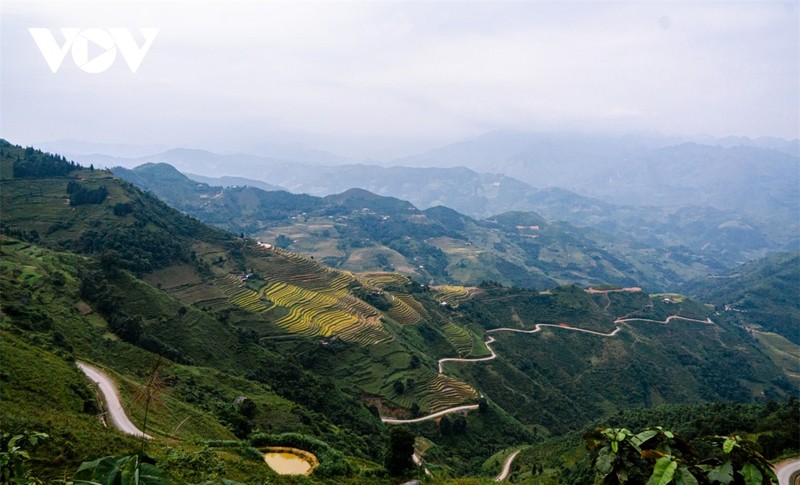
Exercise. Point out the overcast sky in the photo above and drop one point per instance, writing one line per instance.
(384, 78)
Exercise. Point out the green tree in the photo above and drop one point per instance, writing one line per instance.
(283, 242)
(459, 424)
(401, 448)
(445, 427)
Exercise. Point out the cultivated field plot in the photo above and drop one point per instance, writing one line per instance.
(316, 298)
(781, 351)
(436, 393)
(379, 280)
(402, 312)
(415, 305)
(405, 309)
(459, 338)
(453, 295)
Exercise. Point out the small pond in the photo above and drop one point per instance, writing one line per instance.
(285, 463)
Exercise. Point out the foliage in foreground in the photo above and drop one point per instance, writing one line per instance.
(125, 470)
(659, 457)
(15, 454)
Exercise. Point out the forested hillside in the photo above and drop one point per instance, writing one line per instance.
(360, 231)
(222, 345)
(765, 293)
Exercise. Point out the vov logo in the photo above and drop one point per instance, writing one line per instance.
(103, 42)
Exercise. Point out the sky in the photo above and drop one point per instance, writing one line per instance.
(384, 79)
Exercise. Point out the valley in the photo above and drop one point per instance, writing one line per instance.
(360, 231)
(407, 242)
(728, 203)
(331, 358)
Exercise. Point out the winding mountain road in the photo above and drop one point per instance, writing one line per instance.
(467, 407)
(506, 467)
(785, 469)
(633, 289)
(109, 390)
(476, 359)
(537, 328)
(563, 326)
(669, 319)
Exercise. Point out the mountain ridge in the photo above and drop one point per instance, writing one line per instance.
(233, 317)
(382, 232)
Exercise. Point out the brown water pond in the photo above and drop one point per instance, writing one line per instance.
(287, 461)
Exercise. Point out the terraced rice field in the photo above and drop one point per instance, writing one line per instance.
(201, 295)
(382, 280)
(415, 305)
(239, 295)
(316, 297)
(454, 294)
(402, 312)
(296, 269)
(459, 338)
(437, 393)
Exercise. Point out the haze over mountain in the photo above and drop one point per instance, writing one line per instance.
(96, 269)
(733, 204)
(533, 242)
(361, 231)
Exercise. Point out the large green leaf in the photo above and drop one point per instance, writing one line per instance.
(684, 477)
(111, 470)
(605, 461)
(90, 471)
(751, 473)
(663, 471)
(722, 474)
(643, 437)
(728, 445)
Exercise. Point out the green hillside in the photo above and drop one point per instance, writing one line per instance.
(94, 270)
(765, 293)
(361, 231)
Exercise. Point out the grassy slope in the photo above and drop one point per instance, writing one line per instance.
(558, 379)
(249, 360)
(42, 388)
(765, 292)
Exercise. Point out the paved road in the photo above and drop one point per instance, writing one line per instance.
(785, 469)
(537, 328)
(416, 457)
(506, 467)
(669, 319)
(476, 359)
(468, 407)
(118, 417)
(634, 289)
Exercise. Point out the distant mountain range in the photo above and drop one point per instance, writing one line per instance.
(357, 230)
(736, 200)
(258, 346)
(747, 178)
